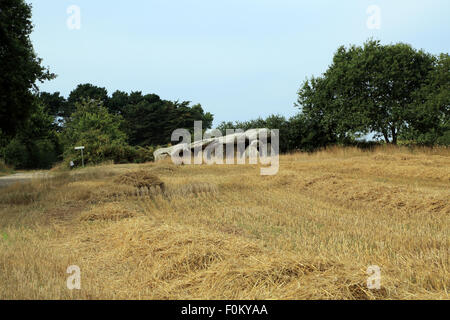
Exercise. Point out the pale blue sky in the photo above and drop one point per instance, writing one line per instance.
(240, 59)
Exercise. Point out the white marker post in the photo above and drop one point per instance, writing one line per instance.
(82, 159)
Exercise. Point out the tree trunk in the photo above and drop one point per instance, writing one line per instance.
(394, 136)
(386, 137)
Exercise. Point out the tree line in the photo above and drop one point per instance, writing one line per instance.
(123, 127)
(394, 92)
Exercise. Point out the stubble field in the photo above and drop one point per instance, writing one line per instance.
(160, 231)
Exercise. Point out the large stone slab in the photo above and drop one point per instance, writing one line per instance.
(250, 138)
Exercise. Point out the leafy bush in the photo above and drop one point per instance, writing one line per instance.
(444, 140)
(4, 168)
(37, 154)
(16, 154)
(143, 155)
(99, 131)
(296, 133)
(118, 154)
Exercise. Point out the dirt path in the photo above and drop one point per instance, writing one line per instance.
(20, 177)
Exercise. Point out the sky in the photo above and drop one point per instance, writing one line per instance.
(240, 59)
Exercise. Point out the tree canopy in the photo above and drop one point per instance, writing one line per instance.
(91, 125)
(369, 88)
(148, 119)
(36, 144)
(429, 113)
(20, 67)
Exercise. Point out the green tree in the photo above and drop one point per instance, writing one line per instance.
(92, 126)
(309, 134)
(20, 67)
(367, 89)
(146, 120)
(54, 104)
(149, 120)
(271, 122)
(82, 92)
(184, 116)
(429, 114)
(297, 133)
(118, 102)
(36, 145)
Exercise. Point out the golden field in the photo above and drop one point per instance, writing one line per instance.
(226, 232)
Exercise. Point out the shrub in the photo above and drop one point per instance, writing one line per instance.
(99, 131)
(4, 168)
(16, 154)
(143, 155)
(32, 155)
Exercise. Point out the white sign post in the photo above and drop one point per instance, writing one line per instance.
(82, 159)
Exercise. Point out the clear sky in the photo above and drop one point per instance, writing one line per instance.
(240, 59)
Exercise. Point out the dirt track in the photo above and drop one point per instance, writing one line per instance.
(19, 177)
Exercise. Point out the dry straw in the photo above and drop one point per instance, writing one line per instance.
(226, 232)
